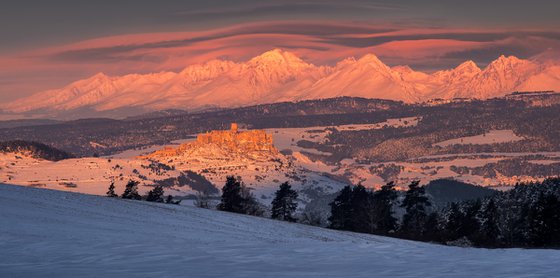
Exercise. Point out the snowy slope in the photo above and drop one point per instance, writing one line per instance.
(300, 166)
(92, 175)
(367, 77)
(46, 233)
(424, 168)
(279, 75)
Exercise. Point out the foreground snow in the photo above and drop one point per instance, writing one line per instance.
(46, 233)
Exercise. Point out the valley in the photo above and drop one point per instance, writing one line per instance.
(191, 167)
(318, 146)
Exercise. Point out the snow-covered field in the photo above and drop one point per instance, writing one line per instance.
(301, 166)
(287, 138)
(46, 233)
(89, 175)
(429, 168)
(93, 175)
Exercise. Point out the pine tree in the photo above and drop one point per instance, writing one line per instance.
(383, 201)
(156, 194)
(471, 225)
(111, 192)
(236, 197)
(361, 207)
(544, 221)
(352, 210)
(131, 191)
(341, 210)
(433, 231)
(489, 231)
(232, 200)
(415, 204)
(285, 203)
(453, 226)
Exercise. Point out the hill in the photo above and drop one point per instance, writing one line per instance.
(74, 235)
(444, 191)
(24, 123)
(194, 166)
(105, 136)
(33, 149)
(495, 142)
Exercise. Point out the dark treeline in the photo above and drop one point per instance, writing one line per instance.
(237, 198)
(131, 192)
(538, 124)
(438, 123)
(35, 149)
(509, 168)
(526, 216)
(118, 135)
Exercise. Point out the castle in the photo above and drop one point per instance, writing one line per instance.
(250, 140)
(234, 140)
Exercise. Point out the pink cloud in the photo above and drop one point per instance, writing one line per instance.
(316, 42)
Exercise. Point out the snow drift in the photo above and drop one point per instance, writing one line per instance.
(62, 234)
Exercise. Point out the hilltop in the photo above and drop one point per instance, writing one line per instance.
(188, 168)
(249, 154)
(229, 144)
(33, 149)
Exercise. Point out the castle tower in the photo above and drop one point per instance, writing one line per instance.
(234, 127)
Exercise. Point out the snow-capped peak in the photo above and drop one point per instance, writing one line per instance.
(277, 57)
(370, 59)
(206, 71)
(468, 67)
(504, 58)
(504, 63)
(402, 69)
(279, 75)
(100, 75)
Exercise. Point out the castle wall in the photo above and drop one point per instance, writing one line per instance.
(245, 141)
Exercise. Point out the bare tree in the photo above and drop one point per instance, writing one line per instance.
(203, 200)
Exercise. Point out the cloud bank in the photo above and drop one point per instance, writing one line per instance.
(318, 42)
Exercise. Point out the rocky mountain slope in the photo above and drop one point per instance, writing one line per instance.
(279, 75)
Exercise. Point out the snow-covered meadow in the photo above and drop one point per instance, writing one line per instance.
(46, 233)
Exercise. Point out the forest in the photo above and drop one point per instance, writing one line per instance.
(527, 216)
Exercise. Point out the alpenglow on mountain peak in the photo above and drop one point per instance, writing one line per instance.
(278, 75)
(277, 55)
(468, 66)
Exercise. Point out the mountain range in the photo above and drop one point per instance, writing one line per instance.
(278, 75)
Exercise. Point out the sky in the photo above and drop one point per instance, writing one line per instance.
(47, 44)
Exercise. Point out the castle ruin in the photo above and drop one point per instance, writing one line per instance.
(234, 140)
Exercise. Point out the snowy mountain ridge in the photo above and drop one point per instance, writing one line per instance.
(278, 75)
